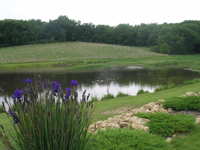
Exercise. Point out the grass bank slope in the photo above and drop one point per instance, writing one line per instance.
(70, 51)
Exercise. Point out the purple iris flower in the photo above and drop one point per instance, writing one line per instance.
(74, 82)
(68, 93)
(17, 94)
(44, 85)
(28, 80)
(56, 86)
(14, 115)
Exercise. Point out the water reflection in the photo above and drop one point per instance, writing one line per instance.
(131, 79)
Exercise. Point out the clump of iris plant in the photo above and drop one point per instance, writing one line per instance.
(48, 117)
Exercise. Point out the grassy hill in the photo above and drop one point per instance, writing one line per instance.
(73, 55)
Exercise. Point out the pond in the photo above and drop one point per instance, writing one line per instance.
(129, 79)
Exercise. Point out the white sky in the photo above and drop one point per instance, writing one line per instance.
(107, 12)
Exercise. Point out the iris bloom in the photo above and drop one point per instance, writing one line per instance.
(68, 92)
(14, 115)
(17, 94)
(28, 80)
(74, 82)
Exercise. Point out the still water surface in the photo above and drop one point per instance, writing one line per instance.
(130, 79)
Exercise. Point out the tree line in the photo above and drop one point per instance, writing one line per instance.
(173, 38)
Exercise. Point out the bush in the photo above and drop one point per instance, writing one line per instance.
(183, 103)
(1, 109)
(127, 139)
(158, 89)
(48, 117)
(120, 94)
(142, 91)
(107, 96)
(95, 99)
(167, 124)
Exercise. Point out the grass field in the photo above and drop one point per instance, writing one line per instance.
(71, 51)
(77, 55)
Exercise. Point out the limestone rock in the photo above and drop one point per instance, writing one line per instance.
(168, 139)
(192, 94)
(160, 100)
(197, 120)
(140, 127)
(162, 110)
(123, 124)
(169, 110)
(117, 126)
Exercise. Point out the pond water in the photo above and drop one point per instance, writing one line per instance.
(130, 79)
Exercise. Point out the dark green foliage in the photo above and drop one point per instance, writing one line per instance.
(1, 109)
(183, 103)
(128, 139)
(107, 96)
(121, 94)
(142, 91)
(179, 38)
(94, 99)
(158, 89)
(168, 124)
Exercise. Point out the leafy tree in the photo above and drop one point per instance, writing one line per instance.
(165, 48)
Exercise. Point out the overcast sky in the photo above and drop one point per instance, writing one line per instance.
(107, 12)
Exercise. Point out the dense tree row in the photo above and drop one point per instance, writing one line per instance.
(179, 38)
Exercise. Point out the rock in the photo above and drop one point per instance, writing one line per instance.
(168, 139)
(137, 120)
(111, 125)
(197, 120)
(140, 127)
(117, 126)
(169, 110)
(159, 101)
(174, 135)
(126, 119)
(135, 111)
(162, 110)
(129, 114)
(154, 108)
(103, 125)
(192, 94)
(148, 106)
(123, 124)
(99, 123)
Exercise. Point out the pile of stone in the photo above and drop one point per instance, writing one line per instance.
(129, 120)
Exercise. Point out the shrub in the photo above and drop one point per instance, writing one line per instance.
(127, 139)
(107, 96)
(183, 103)
(167, 124)
(1, 109)
(158, 89)
(120, 94)
(142, 91)
(48, 117)
(95, 99)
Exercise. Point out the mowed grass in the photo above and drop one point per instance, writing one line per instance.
(71, 51)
